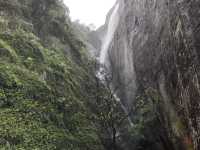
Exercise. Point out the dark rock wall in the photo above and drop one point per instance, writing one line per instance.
(156, 45)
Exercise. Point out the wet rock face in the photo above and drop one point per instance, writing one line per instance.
(157, 45)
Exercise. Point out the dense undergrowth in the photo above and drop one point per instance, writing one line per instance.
(42, 86)
(42, 97)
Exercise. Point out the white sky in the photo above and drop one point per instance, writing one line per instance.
(89, 11)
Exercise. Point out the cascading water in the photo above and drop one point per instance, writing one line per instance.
(112, 25)
(111, 28)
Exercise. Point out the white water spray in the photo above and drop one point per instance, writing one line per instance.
(112, 26)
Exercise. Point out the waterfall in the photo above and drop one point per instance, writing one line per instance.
(111, 28)
(112, 25)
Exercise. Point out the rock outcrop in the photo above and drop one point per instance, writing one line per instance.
(156, 48)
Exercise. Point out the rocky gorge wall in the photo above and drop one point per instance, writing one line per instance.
(156, 48)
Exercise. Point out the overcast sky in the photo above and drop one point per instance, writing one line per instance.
(89, 11)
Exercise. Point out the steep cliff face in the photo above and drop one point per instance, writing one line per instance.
(156, 48)
(45, 79)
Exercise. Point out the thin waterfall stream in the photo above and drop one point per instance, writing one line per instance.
(112, 25)
(104, 59)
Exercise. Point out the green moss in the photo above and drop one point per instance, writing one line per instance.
(179, 128)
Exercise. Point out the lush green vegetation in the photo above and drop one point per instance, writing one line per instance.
(42, 85)
(42, 100)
